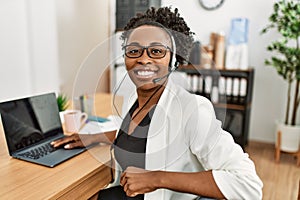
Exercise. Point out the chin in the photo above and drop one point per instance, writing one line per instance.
(149, 85)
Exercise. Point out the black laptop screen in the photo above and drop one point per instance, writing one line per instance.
(30, 120)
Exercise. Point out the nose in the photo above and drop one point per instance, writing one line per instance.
(144, 58)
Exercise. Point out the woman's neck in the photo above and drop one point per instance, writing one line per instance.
(149, 97)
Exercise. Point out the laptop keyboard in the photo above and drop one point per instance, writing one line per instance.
(39, 151)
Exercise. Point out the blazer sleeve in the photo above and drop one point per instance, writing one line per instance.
(233, 171)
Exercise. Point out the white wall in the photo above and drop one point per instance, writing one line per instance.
(269, 89)
(14, 73)
(28, 62)
(44, 43)
(82, 27)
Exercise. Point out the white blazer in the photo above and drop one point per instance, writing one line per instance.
(185, 136)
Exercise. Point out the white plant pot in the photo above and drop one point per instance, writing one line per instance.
(290, 137)
(61, 115)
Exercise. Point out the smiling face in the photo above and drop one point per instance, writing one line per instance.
(144, 69)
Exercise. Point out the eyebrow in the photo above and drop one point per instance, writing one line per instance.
(152, 43)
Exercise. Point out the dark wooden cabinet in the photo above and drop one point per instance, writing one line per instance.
(126, 9)
(231, 94)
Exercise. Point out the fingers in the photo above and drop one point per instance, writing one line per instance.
(68, 142)
(125, 175)
(130, 191)
(123, 179)
(73, 145)
(129, 172)
(127, 186)
(132, 169)
(131, 181)
(137, 181)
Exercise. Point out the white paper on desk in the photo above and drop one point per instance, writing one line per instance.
(93, 127)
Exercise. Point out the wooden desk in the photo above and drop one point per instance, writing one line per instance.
(78, 178)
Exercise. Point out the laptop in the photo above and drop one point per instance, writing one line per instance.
(30, 124)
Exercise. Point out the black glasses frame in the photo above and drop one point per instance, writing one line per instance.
(142, 48)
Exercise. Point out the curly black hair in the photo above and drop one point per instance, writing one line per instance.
(171, 22)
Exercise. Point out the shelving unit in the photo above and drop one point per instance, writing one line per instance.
(231, 94)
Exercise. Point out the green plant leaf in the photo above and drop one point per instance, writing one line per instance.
(62, 102)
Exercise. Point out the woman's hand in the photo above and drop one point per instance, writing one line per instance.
(74, 141)
(139, 181)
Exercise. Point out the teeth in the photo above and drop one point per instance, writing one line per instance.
(145, 73)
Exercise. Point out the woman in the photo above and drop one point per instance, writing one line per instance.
(170, 144)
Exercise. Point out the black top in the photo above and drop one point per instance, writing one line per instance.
(130, 149)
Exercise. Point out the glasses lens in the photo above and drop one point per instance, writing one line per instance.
(133, 51)
(157, 51)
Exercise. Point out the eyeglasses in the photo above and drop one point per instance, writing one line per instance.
(153, 51)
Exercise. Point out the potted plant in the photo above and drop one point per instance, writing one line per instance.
(286, 60)
(63, 103)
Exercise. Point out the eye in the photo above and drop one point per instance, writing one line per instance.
(157, 50)
(133, 50)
